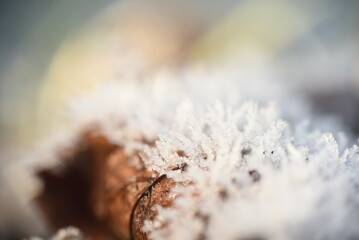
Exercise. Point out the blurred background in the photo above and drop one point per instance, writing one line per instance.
(52, 50)
(31, 32)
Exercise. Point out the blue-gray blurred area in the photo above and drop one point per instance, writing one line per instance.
(45, 22)
(30, 33)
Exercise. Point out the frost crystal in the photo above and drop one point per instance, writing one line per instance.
(248, 177)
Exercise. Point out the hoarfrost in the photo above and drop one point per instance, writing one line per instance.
(248, 176)
(255, 169)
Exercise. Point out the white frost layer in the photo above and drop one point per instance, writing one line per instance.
(308, 186)
(141, 107)
(300, 187)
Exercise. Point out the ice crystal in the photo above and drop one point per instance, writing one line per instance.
(247, 176)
